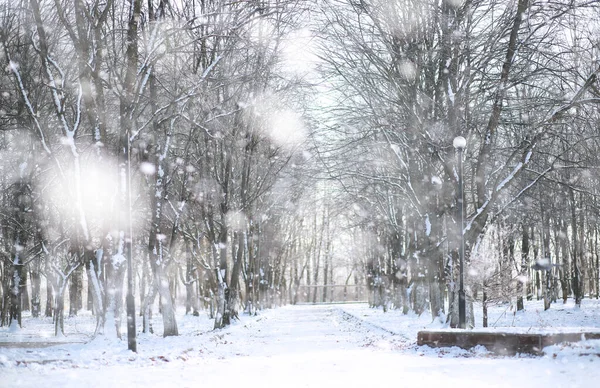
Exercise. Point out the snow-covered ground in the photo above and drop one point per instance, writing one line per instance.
(302, 346)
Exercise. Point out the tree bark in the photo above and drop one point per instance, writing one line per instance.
(522, 279)
(545, 230)
(59, 308)
(49, 298)
(223, 317)
(36, 286)
(25, 302)
(75, 293)
(576, 273)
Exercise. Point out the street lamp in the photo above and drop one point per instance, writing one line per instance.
(459, 145)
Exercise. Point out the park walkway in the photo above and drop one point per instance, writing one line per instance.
(294, 346)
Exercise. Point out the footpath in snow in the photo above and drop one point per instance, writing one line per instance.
(293, 346)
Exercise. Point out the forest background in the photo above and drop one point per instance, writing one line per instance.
(237, 155)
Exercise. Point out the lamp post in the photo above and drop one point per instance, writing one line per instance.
(459, 145)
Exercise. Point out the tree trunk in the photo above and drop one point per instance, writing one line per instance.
(59, 316)
(565, 268)
(156, 255)
(16, 292)
(545, 230)
(75, 293)
(162, 284)
(324, 297)
(316, 253)
(576, 277)
(94, 267)
(523, 269)
(556, 271)
(435, 270)
(191, 274)
(223, 317)
(36, 289)
(115, 274)
(90, 290)
(5, 294)
(240, 253)
(49, 299)
(485, 307)
(147, 303)
(597, 269)
(25, 305)
(18, 272)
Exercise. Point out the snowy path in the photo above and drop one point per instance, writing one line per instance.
(302, 346)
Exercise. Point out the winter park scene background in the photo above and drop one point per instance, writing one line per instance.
(286, 192)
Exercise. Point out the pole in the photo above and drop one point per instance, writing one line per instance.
(128, 243)
(461, 290)
(131, 338)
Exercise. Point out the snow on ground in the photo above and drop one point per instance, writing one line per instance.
(559, 318)
(301, 346)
